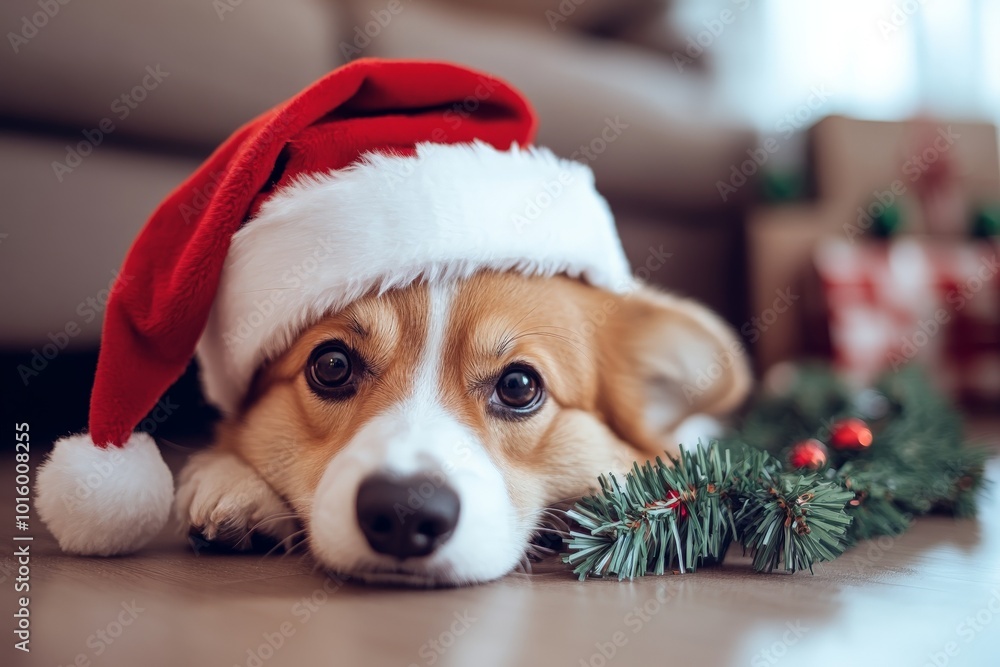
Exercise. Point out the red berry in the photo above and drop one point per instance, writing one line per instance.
(810, 454)
(678, 504)
(851, 434)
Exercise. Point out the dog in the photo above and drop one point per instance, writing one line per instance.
(418, 435)
(420, 328)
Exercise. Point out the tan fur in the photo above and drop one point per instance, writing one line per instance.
(601, 356)
(288, 434)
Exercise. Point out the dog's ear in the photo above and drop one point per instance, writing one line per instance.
(664, 359)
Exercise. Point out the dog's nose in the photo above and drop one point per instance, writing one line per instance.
(406, 517)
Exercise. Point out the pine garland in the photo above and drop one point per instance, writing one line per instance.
(686, 513)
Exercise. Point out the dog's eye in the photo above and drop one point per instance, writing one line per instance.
(519, 388)
(330, 367)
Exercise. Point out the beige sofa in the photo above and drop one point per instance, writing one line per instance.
(107, 105)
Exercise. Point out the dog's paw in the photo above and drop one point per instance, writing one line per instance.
(226, 503)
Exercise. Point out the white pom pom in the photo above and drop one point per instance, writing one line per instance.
(697, 428)
(104, 501)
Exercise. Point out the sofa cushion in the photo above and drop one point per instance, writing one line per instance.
(187, 71)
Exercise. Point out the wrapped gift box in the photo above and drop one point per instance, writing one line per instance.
(910, 300)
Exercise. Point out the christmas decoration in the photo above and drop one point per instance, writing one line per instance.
(887, 221)
(872, 405)
(810, 454)
(940, 192)
(782, 185)
(736, 489)
(905, 300)
(986, 222)
(851, 434)
(367, 153)
(675, 499)
(632, 529)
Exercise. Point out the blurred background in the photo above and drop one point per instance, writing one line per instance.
(823, 174)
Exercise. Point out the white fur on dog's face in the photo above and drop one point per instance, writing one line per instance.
(420, 435)
(433, 354)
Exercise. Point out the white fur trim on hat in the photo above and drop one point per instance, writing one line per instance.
(103, 501)
(387, 221)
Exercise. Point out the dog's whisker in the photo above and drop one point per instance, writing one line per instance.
(179, 447)
(508, 336)
(578, 336)
(281, 516)
(289, 544)
(298, 501)
(274, 517)
(581, 347)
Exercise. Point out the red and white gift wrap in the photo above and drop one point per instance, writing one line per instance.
(913, 300)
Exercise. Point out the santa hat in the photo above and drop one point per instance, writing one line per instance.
(379, 174)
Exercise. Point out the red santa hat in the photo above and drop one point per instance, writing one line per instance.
(379, 174)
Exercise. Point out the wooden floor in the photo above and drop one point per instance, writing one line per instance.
(929, 597)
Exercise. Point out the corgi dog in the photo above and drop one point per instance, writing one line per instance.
(418, 436)
(420, 328)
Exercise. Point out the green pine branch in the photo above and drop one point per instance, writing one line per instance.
(681, 515)
(686, 513)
